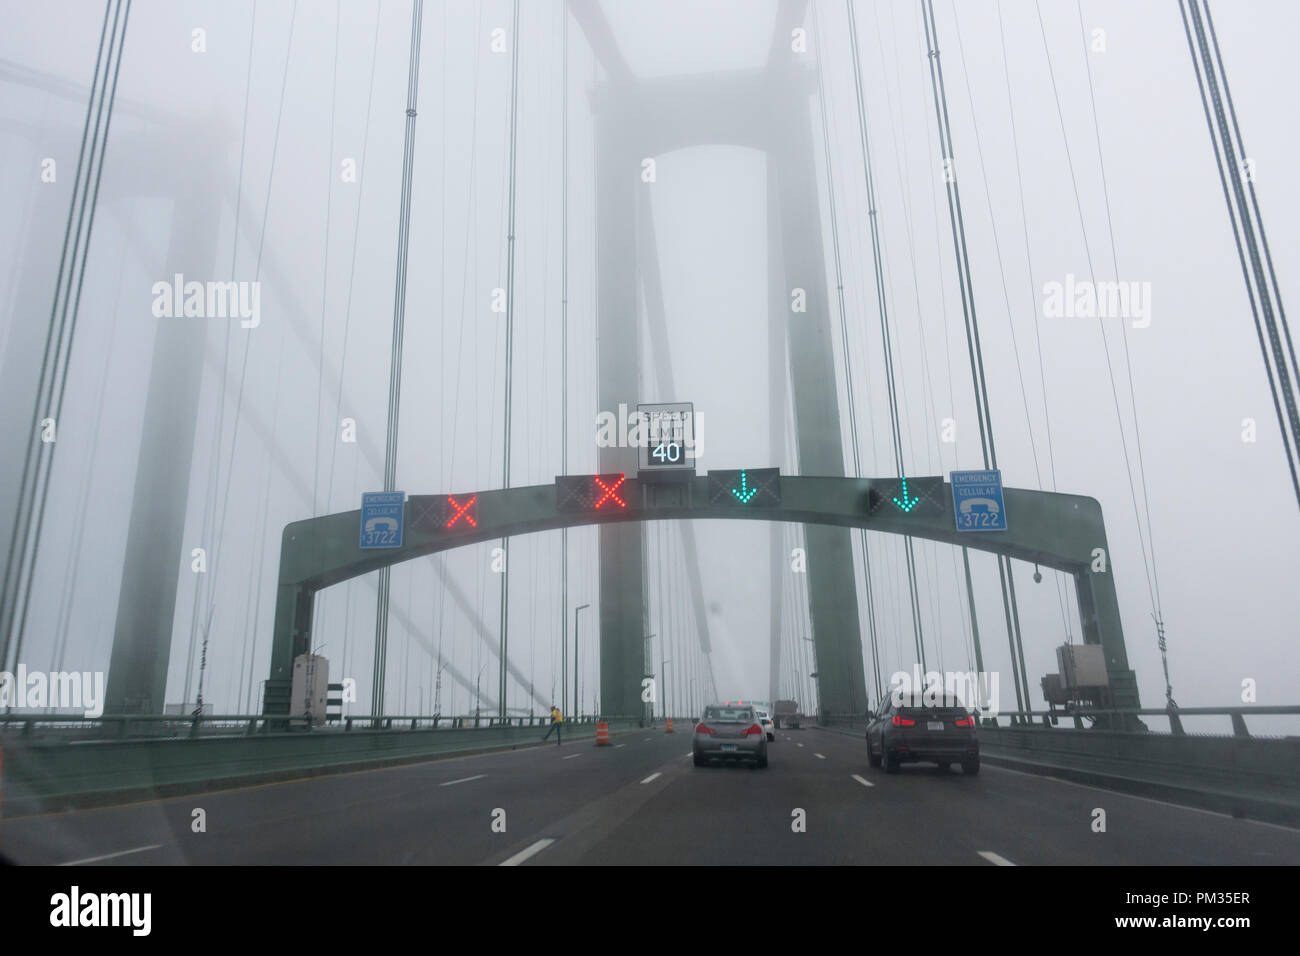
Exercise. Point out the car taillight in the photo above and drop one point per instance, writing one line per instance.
(704, 729)
(903, 722)
(965, 721)
(754, 730)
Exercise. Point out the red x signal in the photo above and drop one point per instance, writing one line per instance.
(461, 511)
(610, 492)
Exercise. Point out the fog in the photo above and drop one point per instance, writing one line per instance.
(256, 133)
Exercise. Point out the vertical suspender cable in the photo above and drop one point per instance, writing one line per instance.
(509, 376)
(978, 380)
(347, 321)
(20, 565)
(564, 308)
(395, 360)
(848, 365)
(890, 381)
(1250, 187)
(1062, 598)
(1245, 238)
(1154, 585)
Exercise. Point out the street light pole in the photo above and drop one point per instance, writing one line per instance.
(812, 674)
(664, 671)
(647, 662)
(477, 699)
(576, 698)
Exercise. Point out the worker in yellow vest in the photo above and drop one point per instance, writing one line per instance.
(557, 719)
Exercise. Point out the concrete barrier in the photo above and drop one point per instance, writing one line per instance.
(49, 775)
(1252, 777)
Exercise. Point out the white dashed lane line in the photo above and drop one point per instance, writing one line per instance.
(452, 783)
(527, 853)
(616, 746)
(571, 756)
(819, 756)
(652, 777)
(995, 859)
(109, 856)
(798, 745)
(863, 780)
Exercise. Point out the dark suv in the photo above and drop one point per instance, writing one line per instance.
(907, 729)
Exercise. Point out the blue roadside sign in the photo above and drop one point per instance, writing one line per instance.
(977, 501)
(382, 514)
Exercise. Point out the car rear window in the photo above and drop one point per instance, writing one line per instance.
(931, 704)
(728, 713)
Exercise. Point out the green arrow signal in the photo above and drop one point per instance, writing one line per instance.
(746, 492)
(905, 504)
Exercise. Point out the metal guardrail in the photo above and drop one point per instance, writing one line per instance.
(125, 726)
(67, 766)
(1120, 720)
(468, 722)
(171, 726)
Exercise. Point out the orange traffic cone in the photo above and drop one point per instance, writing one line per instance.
(669, 728)
(602, 734)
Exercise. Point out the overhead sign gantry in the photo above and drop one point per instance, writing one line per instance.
(1060, 531)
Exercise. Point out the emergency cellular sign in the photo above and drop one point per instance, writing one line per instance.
(977, 501)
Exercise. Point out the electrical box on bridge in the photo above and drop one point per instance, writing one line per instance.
(1082, 665)
(311, 681)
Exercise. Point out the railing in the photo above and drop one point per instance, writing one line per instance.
(122, 726)
(467, 722)
(171, 726)
(84, 761)
(1113, 719)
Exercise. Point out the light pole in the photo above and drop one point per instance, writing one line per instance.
(576, 698)
(812, 675)
(477, 699)
(647, 662)
(664, 671)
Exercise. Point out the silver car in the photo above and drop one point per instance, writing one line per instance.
(728, 732)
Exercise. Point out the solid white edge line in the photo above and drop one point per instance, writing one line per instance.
(527, 852)
(652, 777)
(109, 856)
(995, 859)
(452, 783)
(1136, 796)
(862, 780)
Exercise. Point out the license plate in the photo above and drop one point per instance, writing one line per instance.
(726, 748)
(934, 725)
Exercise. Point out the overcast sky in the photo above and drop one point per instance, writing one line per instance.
(272, 123)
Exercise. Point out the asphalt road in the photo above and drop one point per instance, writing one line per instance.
(643, 802)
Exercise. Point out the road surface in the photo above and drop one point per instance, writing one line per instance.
(642, 801)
